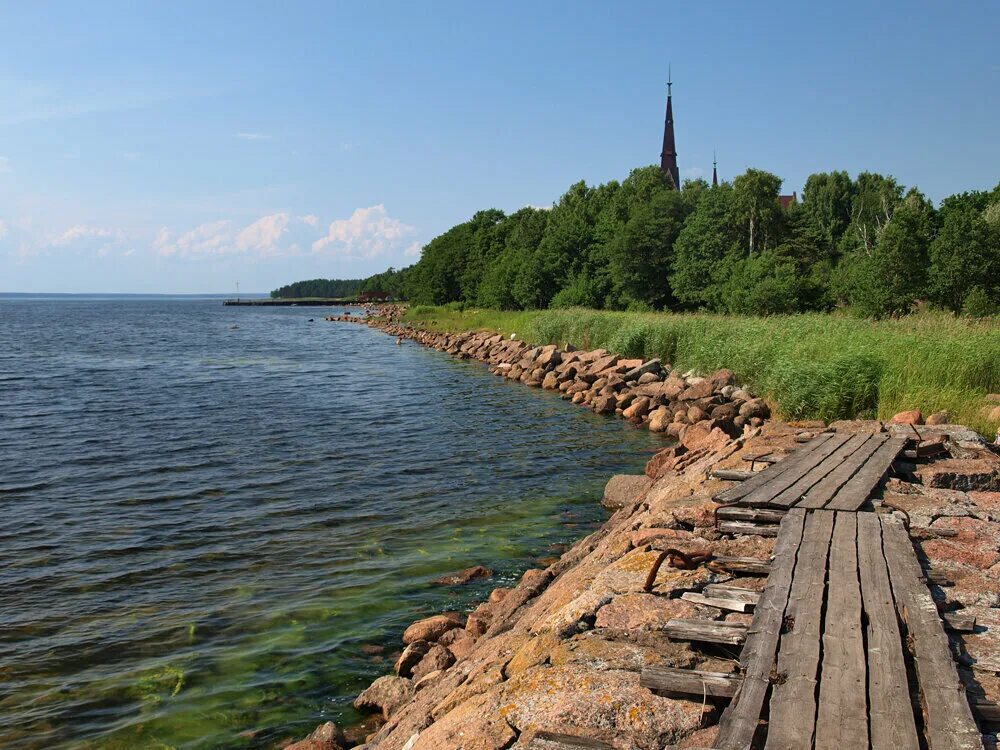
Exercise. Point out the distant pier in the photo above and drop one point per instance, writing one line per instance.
(291, 302)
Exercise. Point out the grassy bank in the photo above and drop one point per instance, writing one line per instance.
(809, 366)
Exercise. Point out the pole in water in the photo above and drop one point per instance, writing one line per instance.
(237, 291)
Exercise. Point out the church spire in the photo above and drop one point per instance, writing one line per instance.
(668, 157)
(715, 173)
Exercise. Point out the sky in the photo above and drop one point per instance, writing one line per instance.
(154, 147)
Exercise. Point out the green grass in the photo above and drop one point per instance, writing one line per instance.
(812, 366)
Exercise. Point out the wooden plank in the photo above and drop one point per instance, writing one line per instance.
(775, 470)
(854, 494)
(733, 475)
(544, 740)
(959, 622)
(819, 472)
(706, 631)
(750, 515)
(723, 591)
(740, 720)
(689, 682)
(948, 722)
(793, 696)
(823, 491)
(729, 605)
(748, 565)
(742, 527)
(842, 720)
(891, 717)
(768, 491)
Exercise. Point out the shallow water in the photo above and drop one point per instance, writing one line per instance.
(201, 524)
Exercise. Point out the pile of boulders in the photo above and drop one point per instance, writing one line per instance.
(691, 408)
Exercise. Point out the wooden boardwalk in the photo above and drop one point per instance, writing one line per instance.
(846, 648)
(835, 471)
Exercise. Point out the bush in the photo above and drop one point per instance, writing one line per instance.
(977, 304)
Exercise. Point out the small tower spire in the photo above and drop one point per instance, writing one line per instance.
(668, 156)
(715, 173)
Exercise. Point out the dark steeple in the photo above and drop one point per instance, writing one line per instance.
(668, 157)
(715, 174)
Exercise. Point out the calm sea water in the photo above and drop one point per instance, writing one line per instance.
(205, 512)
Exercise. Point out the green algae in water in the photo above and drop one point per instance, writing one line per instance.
(185, 608)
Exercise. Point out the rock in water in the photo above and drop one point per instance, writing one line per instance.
(430, 629)
(387, 694)
(464, 576)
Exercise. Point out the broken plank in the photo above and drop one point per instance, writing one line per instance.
(763, 477)
(959, 622)
(948, 721)
(855, 492)
(748, 565)
(722, 591)
(797, 491)
(769, 490)
(740, 720)
(793, 696)
(742, 527)
(706, 631)
(689, 682)
(750, 515)
(823, 492)
(733, 475)
(729, 605)
(842, 720)
(556, 741)
(892, 723)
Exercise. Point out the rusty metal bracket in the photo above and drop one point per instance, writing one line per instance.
(678, 559)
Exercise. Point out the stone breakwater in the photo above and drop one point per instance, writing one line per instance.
(700, 412)
(563, 649)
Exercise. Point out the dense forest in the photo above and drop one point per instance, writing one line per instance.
(866, 243)
(320, 288)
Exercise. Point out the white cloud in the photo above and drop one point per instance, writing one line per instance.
(275, 235)
(413, 250)
(368, 233)
(253, 136)
(83, 231)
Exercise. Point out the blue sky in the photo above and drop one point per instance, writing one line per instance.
(182, 147)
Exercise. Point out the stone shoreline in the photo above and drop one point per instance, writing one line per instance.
(562, 650)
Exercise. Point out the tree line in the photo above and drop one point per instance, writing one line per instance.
(865, 243)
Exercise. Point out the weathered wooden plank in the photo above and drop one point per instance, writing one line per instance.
(795, 493)
(689, 682)
(730, 605)
(823, 491)
(891, 717)
(733, 475)
(854, 494)
(724, 591)
(750, 515)
(948, 722)
(768, 491)
(706, 631)
(793, 696)
(739, 721)
(959, 622)
(556, 741)
(842, 719)
(748, 565)
(742, 527)
(775, 470)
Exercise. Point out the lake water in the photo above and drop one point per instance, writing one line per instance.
(206, 512)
